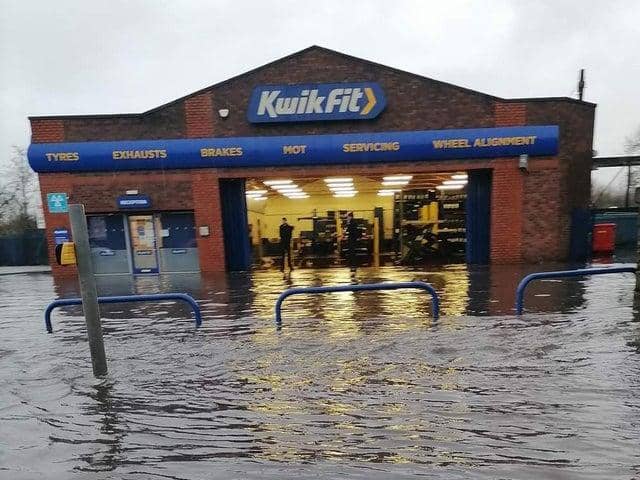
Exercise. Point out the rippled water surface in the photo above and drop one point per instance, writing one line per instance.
(361, 385)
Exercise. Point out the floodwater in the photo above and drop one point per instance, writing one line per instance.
(358, 386)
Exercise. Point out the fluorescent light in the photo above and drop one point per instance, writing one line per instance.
(298, 195)
(385, 193)
(394, 182)
(338, 180)
(398, 177)
(460, 176)
(256, 192)
(389, 190)
(277, 182)
(289, 190)
(345, 194)
(340, 188)
(450, 187)
(454, 182)
(257, 198)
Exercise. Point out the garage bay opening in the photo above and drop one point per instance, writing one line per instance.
(403, 219)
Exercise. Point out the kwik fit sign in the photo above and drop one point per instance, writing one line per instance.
(316, 102)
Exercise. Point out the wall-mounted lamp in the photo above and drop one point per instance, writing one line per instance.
(523, 163)
(223, 112)
(204, 230)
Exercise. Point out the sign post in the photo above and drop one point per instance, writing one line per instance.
(88, 289)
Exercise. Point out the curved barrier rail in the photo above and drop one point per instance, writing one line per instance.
(125, 299)
(435, 302)
(563, 274)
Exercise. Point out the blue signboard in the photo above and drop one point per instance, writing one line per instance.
(60, 235)
(57, 202)
(133, 202)
(315, 102)
(349, 148)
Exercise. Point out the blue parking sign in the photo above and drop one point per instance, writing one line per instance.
(57, 202)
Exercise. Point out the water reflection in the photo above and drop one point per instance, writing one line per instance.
(463, 290)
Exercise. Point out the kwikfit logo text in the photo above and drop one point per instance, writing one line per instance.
(310, 101)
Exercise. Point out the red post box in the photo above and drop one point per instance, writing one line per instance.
(604, 237)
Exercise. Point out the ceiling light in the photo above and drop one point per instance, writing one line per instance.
(394, 182)
(277, 182)
(345, 194)
(450, 187)
(289, 189)
(337, 188)
(338, 180)
(460, 176)
(454, 182)
(398, 177)
(389, 190)
(385, 193)
(257, 198)
(256, 192)
(298, 195)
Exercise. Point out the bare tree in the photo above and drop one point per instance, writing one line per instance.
(632, 146)
(18, 194)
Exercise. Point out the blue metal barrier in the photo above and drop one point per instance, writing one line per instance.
(563, 274)
(435, 302)
(125, 299)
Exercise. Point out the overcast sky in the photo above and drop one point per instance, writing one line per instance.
(72, 57)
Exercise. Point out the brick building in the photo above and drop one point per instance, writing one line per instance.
(176, 176)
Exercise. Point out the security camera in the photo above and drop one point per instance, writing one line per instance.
(523, 163)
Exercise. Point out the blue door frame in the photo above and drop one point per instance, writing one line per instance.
(478, 217)
(235, 224)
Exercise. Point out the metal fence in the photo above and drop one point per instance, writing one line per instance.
(29, 248)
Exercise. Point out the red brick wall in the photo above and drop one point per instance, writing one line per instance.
(47, 131)
(199, 116)
(544, 225)
(510, 114)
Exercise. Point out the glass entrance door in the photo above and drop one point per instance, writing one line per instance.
(143, 244)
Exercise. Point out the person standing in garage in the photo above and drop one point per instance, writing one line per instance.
(353, 234)
(285, 242)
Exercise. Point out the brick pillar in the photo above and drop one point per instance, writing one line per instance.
(208, 212)
(506, 213)
(52, 131)
(47, 131)
(199, 116)
(56, 183)
(205, 188)
(510, 114)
